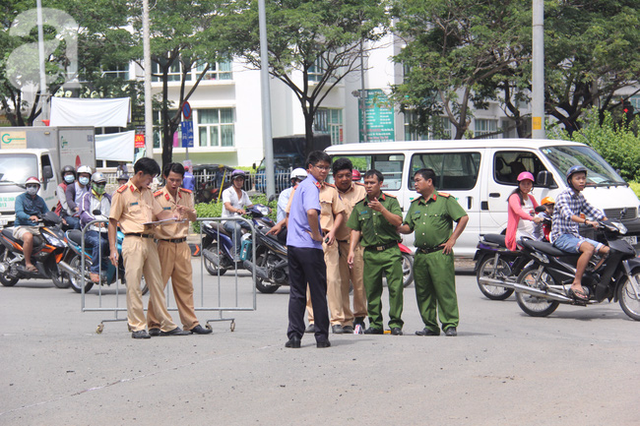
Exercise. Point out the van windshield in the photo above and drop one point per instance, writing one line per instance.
(15, 169)
(600, 173)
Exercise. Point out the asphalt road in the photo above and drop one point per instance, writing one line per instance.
(579, 366)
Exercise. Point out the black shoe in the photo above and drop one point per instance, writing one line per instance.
(359, 321)
(347, 329)
(337, 329)
(372, 330)
(311, 328)
(140, 334)
(293, 342)
(323, 344)
(175, 332)
(396, 331)
(198, 329)
(427, 332)
(153, 332)
(451, 332)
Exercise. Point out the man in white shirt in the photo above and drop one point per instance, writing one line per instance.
(235, 201)
(297, 176)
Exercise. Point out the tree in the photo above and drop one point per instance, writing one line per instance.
(457, 54)
(322, 40)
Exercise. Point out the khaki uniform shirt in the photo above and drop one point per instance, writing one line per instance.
(330, 205)
(432, 219)
(375, 228)
(171, 231)
(132, 207)
(349, 199)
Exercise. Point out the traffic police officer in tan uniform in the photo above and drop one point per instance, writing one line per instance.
(132, 206)
(350, 193)
(174, 252)
(431, 216)
(375, 219)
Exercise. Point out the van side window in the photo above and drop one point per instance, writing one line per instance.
(507, 165)
(390, 165)
(454, 171)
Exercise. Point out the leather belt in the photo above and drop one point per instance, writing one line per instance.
(175, 240)
(138, 234)
(383, 247)
(429, 250)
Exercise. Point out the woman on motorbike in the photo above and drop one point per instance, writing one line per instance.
(521, 219)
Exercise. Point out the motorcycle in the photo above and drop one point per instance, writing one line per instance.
(48, 250)
(544, 284)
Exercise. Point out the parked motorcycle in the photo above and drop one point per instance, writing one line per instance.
(48, 250)
(545, 283)
(72, 264)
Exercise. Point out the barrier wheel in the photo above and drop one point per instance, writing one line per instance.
(99, 329)
(208, 326)
(232, 326)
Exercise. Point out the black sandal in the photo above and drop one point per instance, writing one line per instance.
(578, 295)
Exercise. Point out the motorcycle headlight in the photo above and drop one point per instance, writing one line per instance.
(621, 228)
(264, 210)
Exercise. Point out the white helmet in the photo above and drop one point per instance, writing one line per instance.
(299, 173)
(85, 169)
(32, 180)
(98, 177)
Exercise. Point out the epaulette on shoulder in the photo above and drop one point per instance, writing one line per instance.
(188, 191)
(444, 194)
(330, 185)
(122, 188)
(389, 195)
(157, 193)
(359, 183)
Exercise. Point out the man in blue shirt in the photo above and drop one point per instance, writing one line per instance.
(306, 258)
(29, 207)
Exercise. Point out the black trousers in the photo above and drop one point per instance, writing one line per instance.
(306, 265)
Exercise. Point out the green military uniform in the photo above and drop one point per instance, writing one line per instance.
(381, 256)
(433, 271)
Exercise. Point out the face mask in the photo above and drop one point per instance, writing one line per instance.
(98, 189)
(84, 180)
(32, 190)
(69, 178)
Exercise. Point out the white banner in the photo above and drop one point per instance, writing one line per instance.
(90, 112)
(115, 146)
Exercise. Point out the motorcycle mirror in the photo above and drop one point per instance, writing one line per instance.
(96, 212)
(540, 209)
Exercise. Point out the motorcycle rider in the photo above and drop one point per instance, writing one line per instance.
(297, 176)
(68, 174)
(29, 205)
(75, 192)
(96, 236)
(235, 201)
(570, 204)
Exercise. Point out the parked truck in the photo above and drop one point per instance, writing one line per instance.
(40, 152)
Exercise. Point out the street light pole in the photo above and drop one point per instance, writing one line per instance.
(148, 110)
(537, 102)
(266, 101)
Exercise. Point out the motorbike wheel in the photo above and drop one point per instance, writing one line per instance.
(264, 286)
(61, 280)
(407, 269)
(489, 268)
(77, 280)
(6, 279)
(533, 305)
(211, 268)
(628, 299)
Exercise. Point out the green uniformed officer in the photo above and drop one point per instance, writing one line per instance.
(376, 218)
(431, 216)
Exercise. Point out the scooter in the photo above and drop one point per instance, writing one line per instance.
(544, 284)
(48, 250)
(72, 264)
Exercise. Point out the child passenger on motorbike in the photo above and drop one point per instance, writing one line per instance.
(521, 219)
(568, 213)
(543, 229)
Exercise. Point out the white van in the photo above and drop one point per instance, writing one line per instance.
(481, 174)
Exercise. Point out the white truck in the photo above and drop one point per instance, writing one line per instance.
(40, 152)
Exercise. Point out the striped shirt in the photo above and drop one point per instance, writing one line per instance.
(570, 203)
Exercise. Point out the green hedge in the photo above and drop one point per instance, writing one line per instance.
(214, 209)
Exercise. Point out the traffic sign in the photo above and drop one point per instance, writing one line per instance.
(186, 110)
(187, 134)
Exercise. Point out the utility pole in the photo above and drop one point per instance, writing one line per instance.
(148, 109)
(537, 102)
(266, 102)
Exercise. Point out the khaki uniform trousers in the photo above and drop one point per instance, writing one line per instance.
(337, 291)
(354, 274)
(140, 257)
(175, 259)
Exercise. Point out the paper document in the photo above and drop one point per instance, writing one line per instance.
(165, 221)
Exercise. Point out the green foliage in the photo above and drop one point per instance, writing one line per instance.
(214, 209)
(616, 144)
(635, 186)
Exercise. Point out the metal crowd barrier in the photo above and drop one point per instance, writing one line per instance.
(112, 298)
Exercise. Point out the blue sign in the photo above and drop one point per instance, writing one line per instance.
(187, 134)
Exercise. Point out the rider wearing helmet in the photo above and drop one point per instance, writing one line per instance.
(68, 177)
(570, 210)
(29, 207)
(75, 192)
(521, 220)
(297, 176)
(96, 236)
(235, 201)
(543, 229)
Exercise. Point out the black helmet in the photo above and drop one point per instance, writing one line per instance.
(67, 169)
(573, 170)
